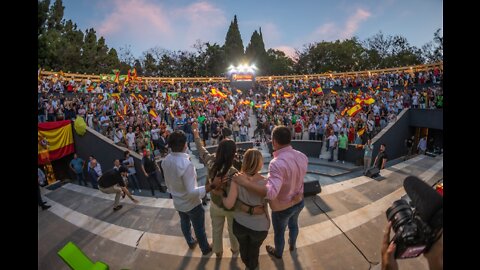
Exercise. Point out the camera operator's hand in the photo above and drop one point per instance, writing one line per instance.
(388, 251)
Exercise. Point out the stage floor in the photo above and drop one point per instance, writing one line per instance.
(148, 236)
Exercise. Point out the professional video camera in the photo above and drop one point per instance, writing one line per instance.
(416, 225)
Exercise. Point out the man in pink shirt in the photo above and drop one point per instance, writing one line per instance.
(284, 189)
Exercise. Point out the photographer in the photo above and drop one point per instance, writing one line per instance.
(434, 256)
(418, 226)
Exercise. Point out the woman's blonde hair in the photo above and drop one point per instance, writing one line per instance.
(252, 161)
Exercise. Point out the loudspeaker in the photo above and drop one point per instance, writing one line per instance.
(373, 172)
(311, 188)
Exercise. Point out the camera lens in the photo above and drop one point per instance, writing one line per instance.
(398, 213)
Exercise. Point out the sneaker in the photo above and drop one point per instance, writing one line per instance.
(45, 207)
(118, 207)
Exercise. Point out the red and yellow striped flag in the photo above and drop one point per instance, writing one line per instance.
(141, 97)
(361, 131)
(333, 92)
(153, 113)
(354, 110)
(55, 140)
(119, 115)
(287, 95)
(171, 114)
(344, 111)
(133, 96)
(239, 91)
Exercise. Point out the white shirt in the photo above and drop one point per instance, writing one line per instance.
(130, 139)
(181, 181)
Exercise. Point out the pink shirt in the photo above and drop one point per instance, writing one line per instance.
(285, 174)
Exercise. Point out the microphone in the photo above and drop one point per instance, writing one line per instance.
(428, 203)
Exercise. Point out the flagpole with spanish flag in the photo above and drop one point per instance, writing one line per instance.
(55, 140)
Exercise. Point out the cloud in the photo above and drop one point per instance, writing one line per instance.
(331, 31)
(135, 19)
(146, 24)
(203, 20)
(289, 51)
(270, 32)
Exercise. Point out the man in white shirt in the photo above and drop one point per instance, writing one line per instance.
(181, 180)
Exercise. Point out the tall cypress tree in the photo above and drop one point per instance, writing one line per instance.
(233, 44)
(255, 52)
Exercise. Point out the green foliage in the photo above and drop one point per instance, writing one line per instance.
(255, 52)
(234, 44)
(277, 63)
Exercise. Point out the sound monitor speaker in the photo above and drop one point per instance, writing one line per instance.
(311, 188)
(373, 172)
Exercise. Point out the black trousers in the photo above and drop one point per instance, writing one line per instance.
(152, 178)
(342, 154)
(250, 242)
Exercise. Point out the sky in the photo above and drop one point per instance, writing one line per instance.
(286, 25)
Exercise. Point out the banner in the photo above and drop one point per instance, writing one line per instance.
(55, 140)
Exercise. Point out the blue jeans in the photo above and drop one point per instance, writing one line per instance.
(280, 220)
(195, 217)
(133, 179)
(41, 118)
(81, 178)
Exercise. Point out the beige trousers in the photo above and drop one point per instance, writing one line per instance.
(113, 189)
(218, 216)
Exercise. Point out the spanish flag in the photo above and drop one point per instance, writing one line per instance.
(141, 97)
(153, 113)
(55, 140)
(354, 110)
(369, 101)
(344, 111)
(239, 91)
(132, 95)
(171, 114)
(361, 131)
(287, 95)
(333, 92)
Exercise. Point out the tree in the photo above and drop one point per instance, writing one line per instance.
(126, 59)
(433, 50)
(112, 60)
(233, 44)
(138, 67)
(70, 54)
(150, 65)
(42, 15)
(277, 63)
(101, 60)
(255, 51)
(56, 15)
(89, 51)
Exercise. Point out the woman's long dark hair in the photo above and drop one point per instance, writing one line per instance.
(224, 157)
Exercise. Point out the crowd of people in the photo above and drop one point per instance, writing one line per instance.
(138, 115)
